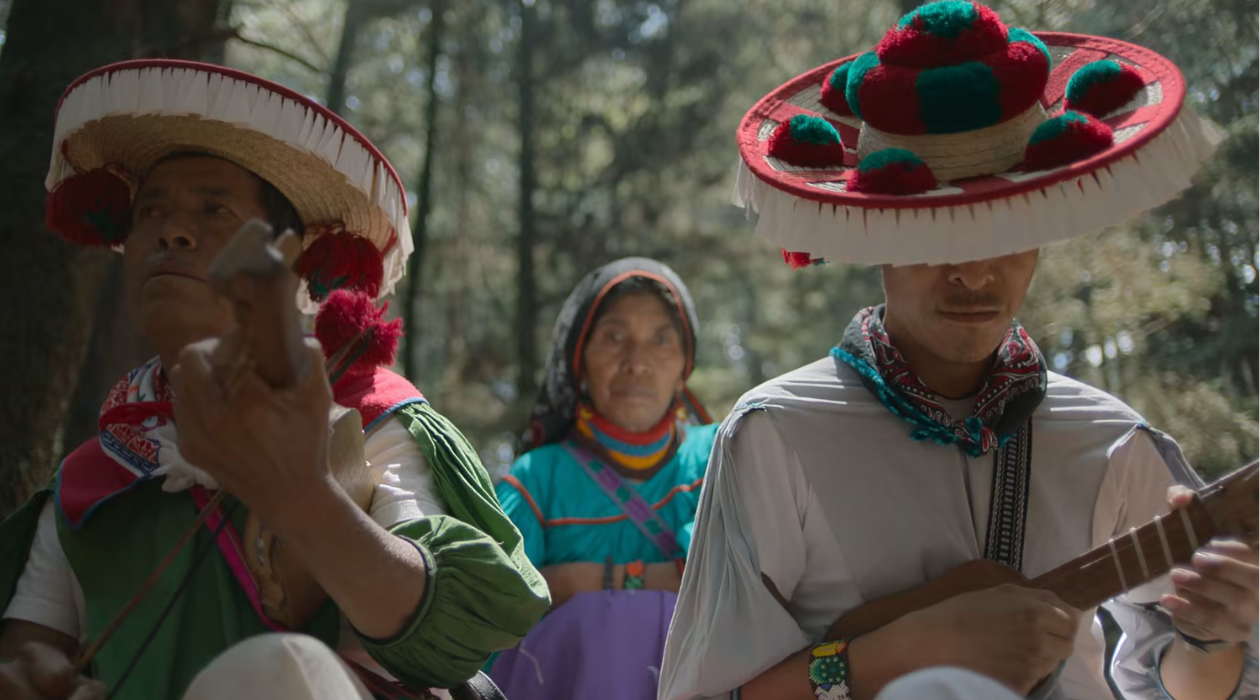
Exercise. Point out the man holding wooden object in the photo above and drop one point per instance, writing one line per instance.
(249, 480)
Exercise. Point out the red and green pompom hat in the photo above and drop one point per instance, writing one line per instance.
(927, 149)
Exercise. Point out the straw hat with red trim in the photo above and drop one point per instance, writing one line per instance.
(960, 139)
(116, 122)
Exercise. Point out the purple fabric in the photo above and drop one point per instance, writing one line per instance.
(601, 644)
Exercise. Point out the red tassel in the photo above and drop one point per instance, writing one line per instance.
(91, 208)
(352, 317)
(338, 259)
(797, 261)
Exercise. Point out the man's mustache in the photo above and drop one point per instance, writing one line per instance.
(968, 300)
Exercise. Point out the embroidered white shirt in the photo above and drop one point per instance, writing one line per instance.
(824, 492)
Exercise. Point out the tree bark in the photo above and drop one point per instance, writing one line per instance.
(52, 286)
(350, 25)
(424, 190)
(525, 308)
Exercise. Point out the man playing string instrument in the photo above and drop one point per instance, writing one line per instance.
(934, 434)
(425, 577)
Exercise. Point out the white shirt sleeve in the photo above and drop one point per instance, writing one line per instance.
(404, 483)
(47, 592)
(1134, 492)
(727, 627)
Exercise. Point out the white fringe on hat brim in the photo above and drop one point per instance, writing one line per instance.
(1079, 206)
(215, 97)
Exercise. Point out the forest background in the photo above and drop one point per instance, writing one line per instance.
(541, 138)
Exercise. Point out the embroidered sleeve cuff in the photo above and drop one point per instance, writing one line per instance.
(475, 602)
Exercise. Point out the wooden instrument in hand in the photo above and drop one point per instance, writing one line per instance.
(1227, 508)
(254, 272)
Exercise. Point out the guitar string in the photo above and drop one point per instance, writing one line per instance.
(1163, 541)
(1115, 557)
(1137, 544)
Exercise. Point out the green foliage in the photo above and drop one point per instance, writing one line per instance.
(636, 107)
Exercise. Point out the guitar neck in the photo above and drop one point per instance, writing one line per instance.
(1130, 560)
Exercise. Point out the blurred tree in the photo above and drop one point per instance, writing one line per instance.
(47, 44)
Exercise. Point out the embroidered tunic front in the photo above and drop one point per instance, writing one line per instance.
(817, 485)
(564, 516)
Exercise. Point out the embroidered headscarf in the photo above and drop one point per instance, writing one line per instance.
(1011, 392)
(556, 406)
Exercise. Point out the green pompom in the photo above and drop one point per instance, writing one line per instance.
(807, 128)
(888, 156)
(946, 19)
(1056, 127)
(953, 99)
(1015, 34)
(840, 77)
(857, 74)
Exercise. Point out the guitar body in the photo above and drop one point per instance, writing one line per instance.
(287, 591)
(973, 576)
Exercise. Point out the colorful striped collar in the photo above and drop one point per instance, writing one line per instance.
(638, 454)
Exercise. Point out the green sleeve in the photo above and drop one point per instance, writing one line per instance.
(483, 594)
(521, 502)
(475, 602)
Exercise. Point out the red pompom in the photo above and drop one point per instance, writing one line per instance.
(888, 99)
(945, 35)
(91, 208)
(832, 96)
(798, 260)
(338, 259)
(1102, 87)
(1067, 138)
(349, 316)
(807, 141)
(892, 171)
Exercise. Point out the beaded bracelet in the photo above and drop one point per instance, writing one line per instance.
(634, 576)
(829, 671)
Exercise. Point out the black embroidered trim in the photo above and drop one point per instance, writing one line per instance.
(1008, 500)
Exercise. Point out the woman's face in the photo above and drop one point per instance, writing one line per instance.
(633, 362)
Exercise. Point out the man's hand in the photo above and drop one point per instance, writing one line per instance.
(41, 672)
(1017, 636)
(1219, 597)
(265, 446)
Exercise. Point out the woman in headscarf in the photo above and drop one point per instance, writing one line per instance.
(606, 493)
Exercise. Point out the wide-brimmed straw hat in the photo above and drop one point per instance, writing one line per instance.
(960, 139)
(114, 123)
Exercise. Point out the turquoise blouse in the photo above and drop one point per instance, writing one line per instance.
(565, 517)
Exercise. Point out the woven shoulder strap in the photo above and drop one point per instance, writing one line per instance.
(628, 500)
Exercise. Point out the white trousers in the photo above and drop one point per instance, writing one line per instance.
(945, 683)
(277, 667)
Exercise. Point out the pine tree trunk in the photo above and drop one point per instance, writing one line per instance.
(424, 191)
(51, 287)
(351, 22)
(526, 312)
